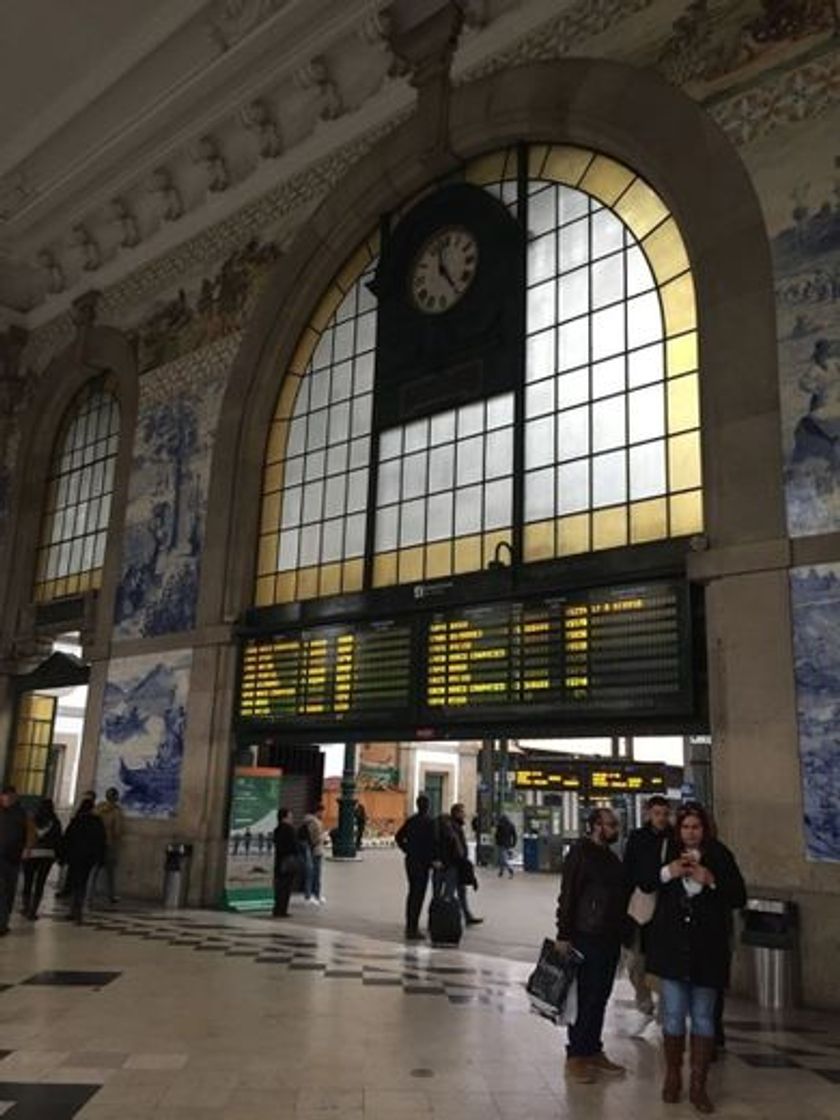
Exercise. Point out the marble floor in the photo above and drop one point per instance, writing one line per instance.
(207, 1015)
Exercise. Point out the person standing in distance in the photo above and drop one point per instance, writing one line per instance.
(286, 862)
(311, 835)
(84, 848)
(590, 918)
(13, 830)
(505, 840)
(416, 840)
(110, 813)
(644, 854)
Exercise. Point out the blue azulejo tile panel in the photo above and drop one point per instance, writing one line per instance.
(167, 499)
(141, 741)
(815, 595)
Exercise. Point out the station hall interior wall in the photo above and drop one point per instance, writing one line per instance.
(746, 159)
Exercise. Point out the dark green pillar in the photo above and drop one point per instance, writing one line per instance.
(345, 841)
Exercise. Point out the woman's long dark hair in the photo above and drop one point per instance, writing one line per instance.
(694, 809)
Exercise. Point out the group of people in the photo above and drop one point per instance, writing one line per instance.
(33, 841)
(671, 903)
(298, 858)
(436, 848)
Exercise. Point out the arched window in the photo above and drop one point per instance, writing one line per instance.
(605, 423)
(80, 485)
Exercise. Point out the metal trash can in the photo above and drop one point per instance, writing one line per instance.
(176, 875)
(770, 930)
(530, 853)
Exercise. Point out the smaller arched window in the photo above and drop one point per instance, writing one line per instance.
(80, 486)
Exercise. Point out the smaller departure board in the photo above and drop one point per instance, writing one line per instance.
(592, 778)
(627, 777)
(328, 673)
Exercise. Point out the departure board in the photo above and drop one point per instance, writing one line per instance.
(627, 777)
(551, 779)
(592, 778)
(616, 650)
(327, 673)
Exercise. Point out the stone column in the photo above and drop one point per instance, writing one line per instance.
(345, 841)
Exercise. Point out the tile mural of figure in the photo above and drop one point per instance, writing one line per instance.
(165, 516)
(141, 743)
(801, 199)
(815, 595)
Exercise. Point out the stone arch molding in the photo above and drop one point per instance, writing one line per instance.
(95, 350)
(627, 113)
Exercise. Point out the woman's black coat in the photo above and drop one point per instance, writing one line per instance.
(689, 936)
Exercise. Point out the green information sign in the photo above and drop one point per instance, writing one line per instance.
(249, 881)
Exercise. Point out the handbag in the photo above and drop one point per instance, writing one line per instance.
(552, 986)
(642, 904)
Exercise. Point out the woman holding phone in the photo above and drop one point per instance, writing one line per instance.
(688, 946)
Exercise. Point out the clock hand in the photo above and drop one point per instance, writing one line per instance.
(444, 271)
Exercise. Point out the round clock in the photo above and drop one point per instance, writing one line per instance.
(443, 270)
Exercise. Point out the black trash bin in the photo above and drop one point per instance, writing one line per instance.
(770, 932)
(176, 875)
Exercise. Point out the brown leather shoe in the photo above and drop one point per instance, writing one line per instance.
(580, 1071)
(600, 1063)
(674, 1047)
(701, 1056)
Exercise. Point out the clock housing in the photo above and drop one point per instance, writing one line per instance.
(451, 304)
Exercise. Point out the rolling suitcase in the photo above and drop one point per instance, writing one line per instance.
(444, 921)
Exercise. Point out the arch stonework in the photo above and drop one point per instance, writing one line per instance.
(744, 556)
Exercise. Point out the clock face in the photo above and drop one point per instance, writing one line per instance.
(443, 270)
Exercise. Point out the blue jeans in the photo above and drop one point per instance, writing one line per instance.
(679, 1000)
(312, 875)
(503, 859)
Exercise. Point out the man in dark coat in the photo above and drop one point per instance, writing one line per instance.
(12, 843)
(416, 840)
(83, 848)
(644, 854)
(590, 918)
(287, 862)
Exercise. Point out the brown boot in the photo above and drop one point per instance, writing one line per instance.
(701, 1057)
(674, 1045)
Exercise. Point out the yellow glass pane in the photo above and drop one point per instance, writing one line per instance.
(681, 354)
(72, 585)
(411, 564)
(684, 469)
(492, 542)
(331, 579)
(538, 541)
(285, 587)
(307, 582)
(439, 559)
(270, 515)
(678, 305)
(609, 527)
(468, 554)
(267, 555)
(326, 308)
(273, 478)
(486, 169)
(641, 208)
(264, 595)
(352, 575)
(96, 578)
(60, 588)
(301, 356)
(42, 707)
(536, 159)
(385, 569)
(573, 534)
(686, 513)
(373, 243)
(648, 521)
(354, 268)
(565, 164)
(41, 566)
(286, 400)
(84, 579)
(606, 179)
(665, 251)
(683, 404)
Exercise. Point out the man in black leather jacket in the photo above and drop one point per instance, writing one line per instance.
(590, 917)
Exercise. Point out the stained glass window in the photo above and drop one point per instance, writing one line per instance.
(606, 421)
(79, 491)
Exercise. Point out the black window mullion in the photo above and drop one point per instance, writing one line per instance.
(519, 419)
